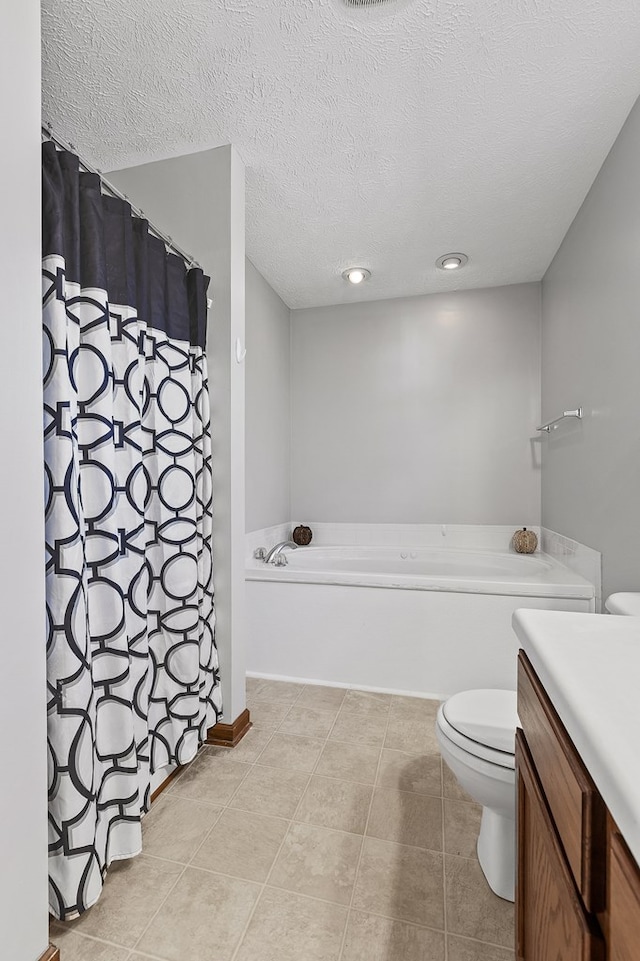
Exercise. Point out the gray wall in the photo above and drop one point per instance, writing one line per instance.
(420, 409)
(591, 356)
(199, 199)
(267, 404)
(23, 717)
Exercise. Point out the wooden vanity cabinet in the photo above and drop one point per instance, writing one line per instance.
(578, 886)
(551, 920)
(623, 918)
(577, 810)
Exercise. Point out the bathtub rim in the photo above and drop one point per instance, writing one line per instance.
(559, 581)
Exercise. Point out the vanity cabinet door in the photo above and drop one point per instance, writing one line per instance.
(577, 810)
(624, 903)
(552, 924)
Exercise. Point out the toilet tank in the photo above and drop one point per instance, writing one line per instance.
(624, 603)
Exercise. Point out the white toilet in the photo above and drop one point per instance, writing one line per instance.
(625, 603)
(476, 731)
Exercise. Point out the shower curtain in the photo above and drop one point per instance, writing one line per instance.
(132, 673)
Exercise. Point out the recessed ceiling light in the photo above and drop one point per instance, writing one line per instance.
(451, 261)
(355, 275)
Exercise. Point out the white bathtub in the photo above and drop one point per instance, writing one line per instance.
(418, 620)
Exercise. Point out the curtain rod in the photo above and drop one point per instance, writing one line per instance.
(190, 261)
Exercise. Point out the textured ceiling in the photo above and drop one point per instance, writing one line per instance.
(382, 141)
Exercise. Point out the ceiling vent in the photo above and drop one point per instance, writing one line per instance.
(363, 8)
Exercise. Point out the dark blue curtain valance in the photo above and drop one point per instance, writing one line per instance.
(106, 247)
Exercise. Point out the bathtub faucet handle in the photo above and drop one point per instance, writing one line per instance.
(280, 560)
(260, 553)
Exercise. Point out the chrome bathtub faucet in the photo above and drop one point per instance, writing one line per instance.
(276, 552)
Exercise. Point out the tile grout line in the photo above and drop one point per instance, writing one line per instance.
(93, 937)
(132, 948)
(301, 894)
(256, 762)
(181, 875)
(374, 786)
(285, 836)
(306, 897)
(145, 954)
(224, 807)
(292, 821)
(157, 911)
(485, 944)
(364, 836)
(376, 914)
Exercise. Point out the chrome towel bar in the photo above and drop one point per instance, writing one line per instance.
(553, 424)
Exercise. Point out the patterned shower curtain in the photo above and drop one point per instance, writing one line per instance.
(133, 679)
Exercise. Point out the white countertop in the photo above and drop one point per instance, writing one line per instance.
(589, 665)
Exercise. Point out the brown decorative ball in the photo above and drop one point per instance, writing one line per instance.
(302, 535)
(524, 541)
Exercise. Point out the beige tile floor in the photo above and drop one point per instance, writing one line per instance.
(331, 833)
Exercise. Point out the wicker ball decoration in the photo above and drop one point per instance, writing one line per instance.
(524, 541)
(302, 535)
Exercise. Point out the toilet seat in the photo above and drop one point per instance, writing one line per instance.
(474, 748)
(482, 723)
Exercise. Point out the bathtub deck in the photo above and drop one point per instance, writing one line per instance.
(331, 833)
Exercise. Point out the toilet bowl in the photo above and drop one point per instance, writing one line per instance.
(476, 732)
